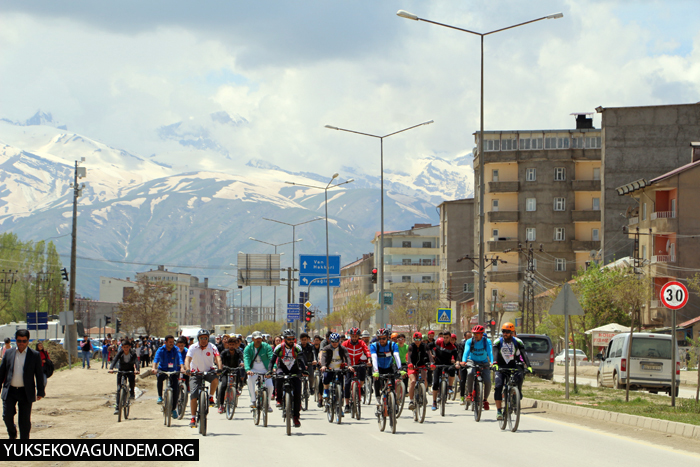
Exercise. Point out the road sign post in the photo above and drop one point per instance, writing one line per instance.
(674, 296)
(566, 304)
(312, 270)
(444, 316)
(293, 312)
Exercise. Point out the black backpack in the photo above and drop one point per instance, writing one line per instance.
(48, 368)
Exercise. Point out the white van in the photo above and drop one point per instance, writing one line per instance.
(650, 367)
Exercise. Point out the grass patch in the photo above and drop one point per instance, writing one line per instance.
(640, 403)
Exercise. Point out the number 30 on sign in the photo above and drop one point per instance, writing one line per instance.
(674, 295)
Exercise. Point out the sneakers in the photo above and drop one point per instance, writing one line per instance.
(193, 422)
(297, 423)
(269, 409)
(378, 410)
(434, 406)
(449, 390)
(116, 411)
(221, 409)
(486, 405)
(320, 404)
(499, 415)
(174, 413)
(252, 406)
(461, 401)
(325, 394)
(411, 405)
(211, 401)
(278, 405)
(160, 400)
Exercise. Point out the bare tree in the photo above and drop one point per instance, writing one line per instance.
(148, 306)
(360, 308)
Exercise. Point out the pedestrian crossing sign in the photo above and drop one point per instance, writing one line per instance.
(444, 316)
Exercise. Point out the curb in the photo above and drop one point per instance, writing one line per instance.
(685, 430)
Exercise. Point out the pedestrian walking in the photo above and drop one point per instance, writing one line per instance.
(105, 353)
(46, 363)
(6, 346)
(86, 348)
(145, 355)
(22, 383)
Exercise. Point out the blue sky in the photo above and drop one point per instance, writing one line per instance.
(118, 71)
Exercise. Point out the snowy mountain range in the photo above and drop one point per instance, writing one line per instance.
(138, 212)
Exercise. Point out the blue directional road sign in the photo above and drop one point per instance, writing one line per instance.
(293, 312)
(38, 321)
(444, 316)
(314, 267)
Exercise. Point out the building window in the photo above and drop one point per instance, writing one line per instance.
(595, 235)
(405, 278)
(509, 144)
(494, 234)
(596, 204)
(596, 173)
(494, 175)
(577, 142)
(536, 143)
(426, 245)
(531, 174)
(427, 279)
(559, 234)
(405, 261)
(644, 211)
(406, 244)
(550, 143)
(673, 207)
(491, 145)
(534, 264)
(429, 262)
(494, 205)
(531, 234)
(560, 264)
(524, 144)
(644, 252)
(559, 174)
(531, 204)
(468, 287)
(559, 204)
(593, 142)
(563, 143)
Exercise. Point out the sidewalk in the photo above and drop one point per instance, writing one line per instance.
(688, 378)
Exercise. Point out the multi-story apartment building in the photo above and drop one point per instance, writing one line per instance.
(208, 304)
(181, 312)
(667, 209)
(411, 261)
(456, 279)
(354, 280)
(542, 187)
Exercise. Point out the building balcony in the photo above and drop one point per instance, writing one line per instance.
(504, 276)
(503, 216)
(632, 220)
(586, 185)
(663, 259)
(415, 268)
(500, 245)
(585, 245)
(664, 221)
(390, 285)
(662, 266)
(411, 251)
(585, 216)
(504, 187)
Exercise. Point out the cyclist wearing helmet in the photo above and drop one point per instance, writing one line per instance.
(333, 357)
(385, 360)
(290, 360)
(418, 359)
(478, 351)
(445, 354)
(358, 352)
(509, 352)
(202, 356)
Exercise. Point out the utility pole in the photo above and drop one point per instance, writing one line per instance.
(71, 335)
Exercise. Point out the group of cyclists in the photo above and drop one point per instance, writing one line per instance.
(384, 354)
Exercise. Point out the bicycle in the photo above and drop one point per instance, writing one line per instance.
(368, 387)
(477, 402)
(305, 394)
(387, 396)
(230, 399)
(334, 402)
(356, 393)
(287, 403)
(444, 385)
(401, 393)
(167, 398)
(182, 396)
(203, 405)
(123, 396)
(511, 401)
(318, 385)
(420, 398)
(261, 401)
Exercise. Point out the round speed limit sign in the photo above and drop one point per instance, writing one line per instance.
(674, 295)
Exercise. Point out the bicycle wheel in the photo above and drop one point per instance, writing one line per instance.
(119, 402)
(400, 397)
(478, 402)
(513, 414)
(443, 397)
(305, 395)
(504, 410)
(203, 409)
(391, 408)
(127, 403)
(330, 406)
(181, 400)
(367, 396)
(355, 401)
(455, 388)
(381, 416)
(288, 412)
(258, 408)
(230, 402)
(318, 388)
(338, 404)
(168, 406)
(423, 402)
(265, 406)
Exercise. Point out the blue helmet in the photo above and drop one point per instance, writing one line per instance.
(334, 337)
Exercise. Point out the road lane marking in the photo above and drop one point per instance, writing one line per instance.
(623, 438)
(410, 455)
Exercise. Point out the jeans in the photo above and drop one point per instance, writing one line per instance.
(17, 399)
(105, 363)
(173, 385)
(86, 358)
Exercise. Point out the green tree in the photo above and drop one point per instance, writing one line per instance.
(359, 309)
(148, 306)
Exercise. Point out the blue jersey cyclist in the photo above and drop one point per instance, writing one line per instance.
(385, 359)
(168, 359)
(478, 352)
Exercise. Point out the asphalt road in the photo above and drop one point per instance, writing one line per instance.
(539, 441)
(682, 391)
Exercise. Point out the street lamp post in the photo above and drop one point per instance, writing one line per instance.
(381, 227)
(275, 287)
(325, 190)
(407, 15)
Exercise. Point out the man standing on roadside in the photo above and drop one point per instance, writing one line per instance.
(86, 348)
(22, 380)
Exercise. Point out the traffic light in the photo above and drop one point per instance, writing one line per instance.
(309, 316)
(108, 319)
(119, 323)
(64, 274)
(492, 325)
(374, 276)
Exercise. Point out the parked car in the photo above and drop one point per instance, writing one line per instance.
(580, 356)
(650, 366)
(541, 354)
